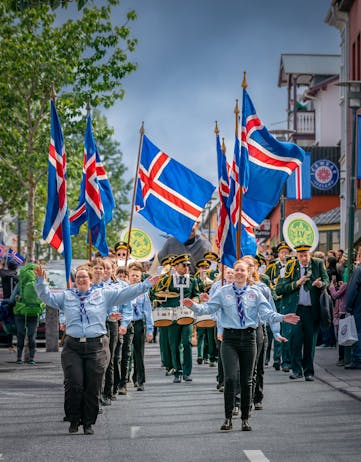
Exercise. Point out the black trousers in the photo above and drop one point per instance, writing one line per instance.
(138, 351)
(122, 358)
(112, 328)
(84, 364)
(258, 373)
(238, 354)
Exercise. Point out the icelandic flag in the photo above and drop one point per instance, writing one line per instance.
(12, 255)
(248, 245)
(271, 162)
(227, 238)
(56, 229)
(169, 195)
(359, 147)
(223, 191)
(239, 178)
(96, 201)
(2, 250)
(299, 183)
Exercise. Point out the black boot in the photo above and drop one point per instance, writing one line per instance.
(227, 425)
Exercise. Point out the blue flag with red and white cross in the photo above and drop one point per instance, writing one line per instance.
(299, 183)
(271, 162)
(223, 192)
(96, 201)
(169, 195)
(56, 229)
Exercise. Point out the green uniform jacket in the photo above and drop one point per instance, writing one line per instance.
(190, 292)
(287, 286)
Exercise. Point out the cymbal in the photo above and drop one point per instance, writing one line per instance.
(166, 294)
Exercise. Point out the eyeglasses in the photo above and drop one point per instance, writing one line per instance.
(81, 277)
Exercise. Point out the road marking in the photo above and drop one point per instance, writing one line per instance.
(134, 431)
(256, 456)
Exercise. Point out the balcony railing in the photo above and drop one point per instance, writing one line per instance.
(305, 122)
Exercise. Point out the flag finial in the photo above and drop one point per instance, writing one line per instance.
(244, 82)
(52, 93)
(141, 130)
(224, 149)
(236, 109)
(216, 129)
(88, 106)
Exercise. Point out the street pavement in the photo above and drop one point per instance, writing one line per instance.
(314, 421)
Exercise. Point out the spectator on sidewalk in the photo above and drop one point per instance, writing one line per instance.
(9, 279)
(27, 311)
(338, 291)
(353, 306)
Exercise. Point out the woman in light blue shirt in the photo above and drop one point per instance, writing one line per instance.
(241, 307)
(85, 354)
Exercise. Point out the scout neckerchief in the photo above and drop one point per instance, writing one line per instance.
(135, 308)
(82, 297)
(238, 293)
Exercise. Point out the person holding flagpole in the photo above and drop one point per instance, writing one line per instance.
(241, 306)
(85, 354)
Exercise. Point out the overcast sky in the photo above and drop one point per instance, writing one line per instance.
(191, 56)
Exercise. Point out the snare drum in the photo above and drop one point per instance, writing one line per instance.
(163, 317)
(184, 316)
(205, 321)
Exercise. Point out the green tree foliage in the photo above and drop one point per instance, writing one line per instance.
(86, 59)
(19, 5)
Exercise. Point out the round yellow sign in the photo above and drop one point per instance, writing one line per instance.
(298, 229)
(141, 243)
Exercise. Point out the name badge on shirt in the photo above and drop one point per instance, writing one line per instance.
(251, 296)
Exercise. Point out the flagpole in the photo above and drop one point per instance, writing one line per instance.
(90, 240)
(141, 131)
(239, 229)
(223, 148)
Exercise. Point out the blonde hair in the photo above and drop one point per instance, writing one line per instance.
(255, 274)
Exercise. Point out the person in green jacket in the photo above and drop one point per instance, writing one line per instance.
(301, 287)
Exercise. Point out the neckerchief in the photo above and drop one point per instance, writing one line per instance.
(136, 311)
(238, 293)
(82, 297)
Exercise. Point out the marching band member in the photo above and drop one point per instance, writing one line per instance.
(276, 271)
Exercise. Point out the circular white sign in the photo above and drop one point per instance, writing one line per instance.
(299, 228)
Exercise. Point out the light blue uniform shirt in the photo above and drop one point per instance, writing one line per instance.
(100, 301)
(255, 308)
(142, 310)
(125, 308)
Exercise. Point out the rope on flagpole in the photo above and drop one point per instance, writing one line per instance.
(141, 131)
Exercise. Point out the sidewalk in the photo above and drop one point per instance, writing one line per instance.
(347, 381)
(44, 360)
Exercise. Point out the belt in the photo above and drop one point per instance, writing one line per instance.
(87, 339)
(237, 331)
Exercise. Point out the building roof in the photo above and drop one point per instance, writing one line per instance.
(330, 217)
(306, 66)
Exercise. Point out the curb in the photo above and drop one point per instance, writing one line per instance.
(325, 376)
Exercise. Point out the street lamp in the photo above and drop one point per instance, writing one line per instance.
(354, 103)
